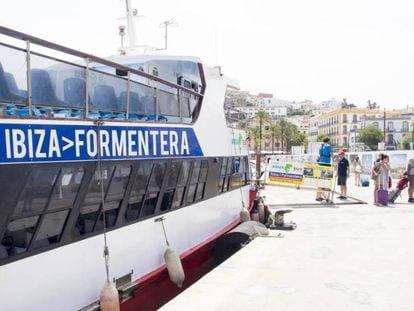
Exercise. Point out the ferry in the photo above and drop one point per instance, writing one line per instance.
(104, 163)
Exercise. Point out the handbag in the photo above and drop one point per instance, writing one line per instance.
(358, 169)
(389, 182)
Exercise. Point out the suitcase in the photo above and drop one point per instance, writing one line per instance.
(382, 196)
(393, 195)
(364, 181)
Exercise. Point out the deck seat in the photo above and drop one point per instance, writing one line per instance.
(43, 92)
(24, 112)
(94, 115)
(104, 98)
(148, 105)
(5, 94)
(74, 92)
(156, 118)
(12, 85)
(133, 102)
(120, 116)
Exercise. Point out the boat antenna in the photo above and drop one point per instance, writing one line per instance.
(165, 25)
(131, 31)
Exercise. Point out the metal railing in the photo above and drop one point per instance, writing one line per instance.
(38, 85)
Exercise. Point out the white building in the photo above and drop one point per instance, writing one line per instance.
(274, 112)
(396, 127)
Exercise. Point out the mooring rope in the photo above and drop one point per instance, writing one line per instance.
(101, 180)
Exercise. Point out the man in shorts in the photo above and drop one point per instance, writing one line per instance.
(325, 156)
(343, 174)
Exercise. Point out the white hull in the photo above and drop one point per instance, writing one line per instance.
(71, 277)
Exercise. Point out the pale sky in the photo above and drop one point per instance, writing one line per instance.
(295, 49)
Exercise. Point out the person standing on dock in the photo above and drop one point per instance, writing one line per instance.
(343, 174)
(358, 171)
(325, 156)
(410, 173)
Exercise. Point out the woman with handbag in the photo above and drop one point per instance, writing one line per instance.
(357, 171)
(380, 174)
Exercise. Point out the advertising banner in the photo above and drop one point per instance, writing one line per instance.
(303, 174)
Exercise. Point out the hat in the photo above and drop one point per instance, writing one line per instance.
(342, 152)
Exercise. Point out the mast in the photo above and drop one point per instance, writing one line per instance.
(131, 14)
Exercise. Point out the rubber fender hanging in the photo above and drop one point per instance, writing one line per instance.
(109, 298)
(234, 240)
(174, 266)
(244, 215)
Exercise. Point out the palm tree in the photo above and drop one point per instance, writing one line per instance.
(275, 133)
(263, 117)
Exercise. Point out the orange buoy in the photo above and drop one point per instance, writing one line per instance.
(109, 298)
(174, 267)
(244, 215)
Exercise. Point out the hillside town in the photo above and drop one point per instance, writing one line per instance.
(276, 125)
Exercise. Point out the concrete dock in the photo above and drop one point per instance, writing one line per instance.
(343, 256)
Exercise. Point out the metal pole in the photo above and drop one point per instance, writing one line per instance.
(128, 94)
(29, 77)
(385, 129)
(87, 88)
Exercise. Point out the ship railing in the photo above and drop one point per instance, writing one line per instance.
(41, 85)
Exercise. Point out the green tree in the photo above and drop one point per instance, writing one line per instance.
(372, 105)
(320, 137)
(371, 136)
(405, 142)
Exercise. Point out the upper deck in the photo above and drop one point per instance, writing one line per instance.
(42, 85)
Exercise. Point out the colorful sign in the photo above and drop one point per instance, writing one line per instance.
(318, 176)
(289, 172)
(44, 143)
(296, 173)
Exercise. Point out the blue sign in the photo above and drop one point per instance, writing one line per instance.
(44, 143)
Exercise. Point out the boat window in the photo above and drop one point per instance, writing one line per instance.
(185, 170)
(177, 200)
(225, 174)
(19, 234)
(138, 190)
(154, 187)
(115, 180)
(50, 229)
(42, 209)
(168, 196)
(66, 188)
(36, 193)
(197, 181)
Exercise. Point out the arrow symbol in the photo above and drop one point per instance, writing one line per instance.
(68, 142)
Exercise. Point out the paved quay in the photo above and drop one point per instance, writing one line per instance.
(340, 257)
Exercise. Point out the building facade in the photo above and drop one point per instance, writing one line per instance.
(343, 125)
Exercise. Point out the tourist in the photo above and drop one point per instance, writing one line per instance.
(325, 156)
(380, 173)
(410, 173)
(358, 171)
(342, 174)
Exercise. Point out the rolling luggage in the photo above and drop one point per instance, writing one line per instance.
(382, 196)
(364, 181)
(393, 195)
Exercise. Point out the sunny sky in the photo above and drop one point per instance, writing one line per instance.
(296, 49)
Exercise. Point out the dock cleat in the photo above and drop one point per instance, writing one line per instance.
(279, 223)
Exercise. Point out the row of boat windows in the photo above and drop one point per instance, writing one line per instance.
(50, 195)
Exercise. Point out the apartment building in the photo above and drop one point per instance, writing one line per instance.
(343, 125)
